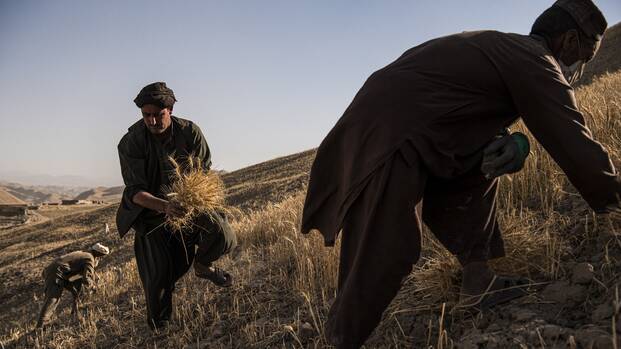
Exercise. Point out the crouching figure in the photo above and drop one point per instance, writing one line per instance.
(74, 272)
(163, 256)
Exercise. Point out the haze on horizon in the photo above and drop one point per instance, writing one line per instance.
(262, 79)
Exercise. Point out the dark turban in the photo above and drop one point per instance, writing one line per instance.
(157, 94)
(588, 17)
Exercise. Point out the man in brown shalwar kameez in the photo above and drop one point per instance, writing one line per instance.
(74, 272)
(162, 256)
(423, 130)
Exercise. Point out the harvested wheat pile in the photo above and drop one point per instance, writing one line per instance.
(197, 191)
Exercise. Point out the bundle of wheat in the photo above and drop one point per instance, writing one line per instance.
(195, 190)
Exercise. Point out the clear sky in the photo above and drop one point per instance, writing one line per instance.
(262, 78)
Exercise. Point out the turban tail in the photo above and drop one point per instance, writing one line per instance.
(157, 94)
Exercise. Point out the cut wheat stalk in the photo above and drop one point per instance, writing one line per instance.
(196, 190)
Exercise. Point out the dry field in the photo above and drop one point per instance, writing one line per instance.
(285, 281)
(56, 211)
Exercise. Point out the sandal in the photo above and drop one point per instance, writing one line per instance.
(216, 275)
(502, 289)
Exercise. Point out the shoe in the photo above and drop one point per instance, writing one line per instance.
(216, 275)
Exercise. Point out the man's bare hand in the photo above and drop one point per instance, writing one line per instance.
(147, 200)
(174, 210)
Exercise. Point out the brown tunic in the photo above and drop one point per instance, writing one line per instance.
(78, 265)
(71, 271)
(162, 256)
(448, 97)
(145, 166)
(415, 133)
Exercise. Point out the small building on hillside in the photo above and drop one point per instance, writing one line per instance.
(12, 207)
(13, 210)
(76, 202)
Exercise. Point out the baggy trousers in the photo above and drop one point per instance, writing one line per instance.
(382, 237)
(161, 259)
(54, 284)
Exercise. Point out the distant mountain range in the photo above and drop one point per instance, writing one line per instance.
(107, 194)
(37, 194)
(40, 193)
(7, 198)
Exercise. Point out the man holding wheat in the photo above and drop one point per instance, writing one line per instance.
(426, 130)
(157, 154)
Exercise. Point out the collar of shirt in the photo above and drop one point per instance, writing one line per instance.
(167, 137)
(543, 42)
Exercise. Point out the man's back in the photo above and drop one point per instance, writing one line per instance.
(448, 98)
(72, 264)
(453, 86)
(76, 260)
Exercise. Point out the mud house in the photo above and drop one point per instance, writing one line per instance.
(76, 202)
(10, 206)
(13, 210)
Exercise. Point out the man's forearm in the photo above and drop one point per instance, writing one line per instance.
(147, 200)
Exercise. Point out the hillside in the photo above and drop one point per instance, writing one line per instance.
(36, 194)
(608, 59)
(106, 194)
(270, 181)
(247, 188)
(285, 282)
(7, 199)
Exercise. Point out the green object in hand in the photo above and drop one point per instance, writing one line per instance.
(523, 144)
